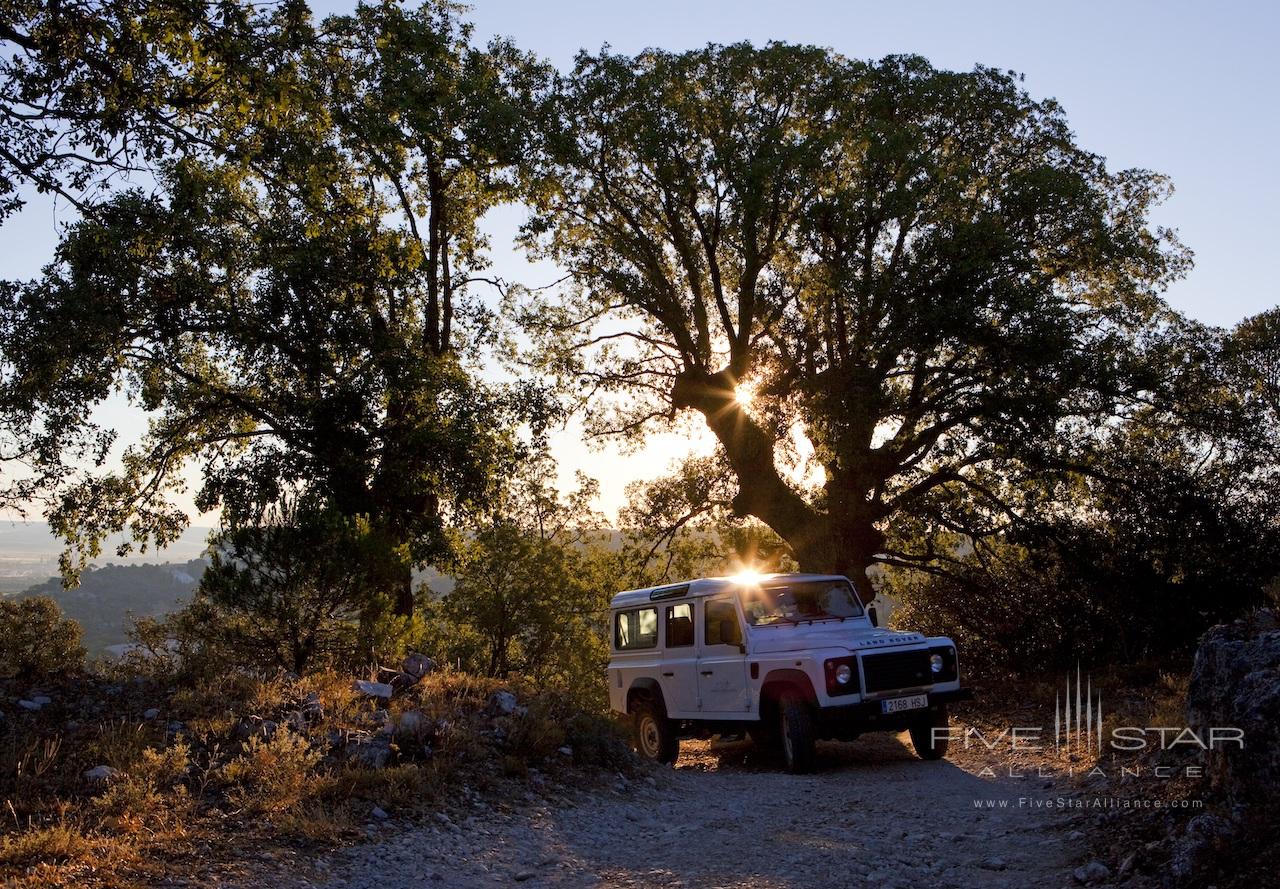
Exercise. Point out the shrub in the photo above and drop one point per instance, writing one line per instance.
(305, 587)
(272, 775)
(36, 639)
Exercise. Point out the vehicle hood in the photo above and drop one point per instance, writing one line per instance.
(854, 635)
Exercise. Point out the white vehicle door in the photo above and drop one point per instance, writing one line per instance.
(679, 670)
(722, 663)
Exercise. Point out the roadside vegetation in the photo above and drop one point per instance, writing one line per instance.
(921, 326)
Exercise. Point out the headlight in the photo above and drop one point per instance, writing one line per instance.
(935, 663)
(843, 674)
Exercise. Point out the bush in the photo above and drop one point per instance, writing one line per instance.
(305, 587)
(273, 775)
(1084, 595)
(35, 638)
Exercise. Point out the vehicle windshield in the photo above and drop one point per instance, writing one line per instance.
(797, 601)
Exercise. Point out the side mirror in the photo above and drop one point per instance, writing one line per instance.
(873, 615)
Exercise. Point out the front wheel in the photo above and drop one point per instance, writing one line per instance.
(928, 743)
(653, 734)
(795, 730)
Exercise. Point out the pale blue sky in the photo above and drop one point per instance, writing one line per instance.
(1187, 89)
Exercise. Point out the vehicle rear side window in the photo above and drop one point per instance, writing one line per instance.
(636, 629)
(679, 625)
(721, 624)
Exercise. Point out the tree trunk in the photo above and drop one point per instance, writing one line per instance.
(403, 606)
(842, 540)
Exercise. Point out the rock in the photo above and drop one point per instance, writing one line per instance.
(502, 701)
(414, 725)
(312, 710)
(151, 713)
(370, 752)
(523, 875)
(566, 750)
(417, 665)
(42, 699)
(1207, 840)
(993, 863)
(1093, 872)
(101, 774)
(254, 727)
(29, 705)
(379, 813)
(380, 690)
(1235, 683)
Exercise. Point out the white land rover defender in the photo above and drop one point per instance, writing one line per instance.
(790, 658)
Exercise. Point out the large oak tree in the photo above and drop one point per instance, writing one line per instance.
(293, 305)
(919, 270)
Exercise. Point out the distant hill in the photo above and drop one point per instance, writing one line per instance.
(29, 553)
(108, 595)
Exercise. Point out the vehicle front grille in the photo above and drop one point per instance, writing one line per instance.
(896, 669)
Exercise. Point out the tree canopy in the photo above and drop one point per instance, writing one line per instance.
(296, 313)
(919, 270)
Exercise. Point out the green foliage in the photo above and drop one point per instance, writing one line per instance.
(533, 585)
(920, 269)
(35, 638)
(306, 586)
(1167, 537)
(277, 307)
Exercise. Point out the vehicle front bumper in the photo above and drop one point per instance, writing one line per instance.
(850, 720)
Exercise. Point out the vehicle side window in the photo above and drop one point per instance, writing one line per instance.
(636, 629)
(679, 625)
(720, 625)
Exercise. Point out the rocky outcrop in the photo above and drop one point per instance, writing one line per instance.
(1236, 683)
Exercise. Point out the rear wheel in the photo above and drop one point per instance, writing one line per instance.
(653, 734)
(930, 744)
(796, 734)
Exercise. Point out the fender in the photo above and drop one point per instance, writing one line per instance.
(646, 685)
(777, 681)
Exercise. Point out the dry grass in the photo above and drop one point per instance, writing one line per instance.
(205, 796)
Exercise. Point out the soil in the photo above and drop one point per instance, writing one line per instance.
(726, 816)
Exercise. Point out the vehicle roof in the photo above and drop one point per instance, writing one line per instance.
(704, 586)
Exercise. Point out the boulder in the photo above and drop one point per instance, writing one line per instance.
(1235, 682)
(413, 724)
(312, 710)
(1206, 842)
(372, 752)
(151, 713)
(1093, 872)
(29, 705)
(254, 727)
(101, 774)
(380, 690)
(417, 665)
(502, 702)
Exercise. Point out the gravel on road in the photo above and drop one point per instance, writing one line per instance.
(872, 815)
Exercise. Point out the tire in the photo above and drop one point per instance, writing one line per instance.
(922, 734)
(796, 734)
(653, 734)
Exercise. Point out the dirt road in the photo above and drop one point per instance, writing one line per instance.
(873, 815)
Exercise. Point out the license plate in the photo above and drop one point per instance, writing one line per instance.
(910, 702)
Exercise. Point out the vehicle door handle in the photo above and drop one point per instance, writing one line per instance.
(707, 672)
(668, 674)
